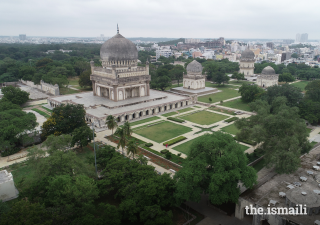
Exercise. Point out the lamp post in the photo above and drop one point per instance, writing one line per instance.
(94, 147)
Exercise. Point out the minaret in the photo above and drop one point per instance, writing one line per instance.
(117, 29)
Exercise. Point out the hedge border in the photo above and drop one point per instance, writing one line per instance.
(176, 119)
(174, 141)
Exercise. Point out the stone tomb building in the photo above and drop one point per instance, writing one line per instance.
(247, 63)
(267, 78)
(121, 88)
(7, 189)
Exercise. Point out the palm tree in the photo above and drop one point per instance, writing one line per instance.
(127, 129)
(122, 138)
(111, 123)
(132, 147)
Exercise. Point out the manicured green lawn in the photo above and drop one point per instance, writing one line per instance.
(180, 111)
(185, 147)
(231, 129)
(221, 110)
(309, 130)
(162, 131)
(240, 82)
(237, 104)
(74, 81)
(301, 84)
(227, 92)
(204, 117)
(145, 120)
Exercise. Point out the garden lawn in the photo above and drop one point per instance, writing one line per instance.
(231, 129)
(185, 147)
(180, 111)
(237, 104)
(145, 120)
(301, 85)
(67, 91)
(204, 117)
(227, 92)
(240, 82)
(162, 131)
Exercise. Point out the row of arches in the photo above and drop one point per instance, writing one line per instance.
(122, 93)
(194, 84)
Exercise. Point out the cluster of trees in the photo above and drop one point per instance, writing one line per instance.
(217, 70)
(290, 72)
(281, 110)
(15, 124)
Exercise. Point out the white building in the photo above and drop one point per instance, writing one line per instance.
(247, 63)
(164, 51)
(194, 78)
(267, 78)
(7, 189)
(192, 40)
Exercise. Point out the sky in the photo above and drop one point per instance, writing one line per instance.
(251, 19)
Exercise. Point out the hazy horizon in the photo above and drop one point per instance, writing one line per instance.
(246, 19)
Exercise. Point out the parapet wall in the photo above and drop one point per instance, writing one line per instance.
(45, 87)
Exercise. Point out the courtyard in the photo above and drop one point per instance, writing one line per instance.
(204, 117)
(162, 131)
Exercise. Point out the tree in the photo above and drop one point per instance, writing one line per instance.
(64, 119)
(292, 93)
(58, 143)
(215, 164)
(177, 73)
(210, 69)
(127, 129)
(111, 122)
(313, 90)
(24, 212)
(250, 93)
(286, 77)
(14, 126)
(4, 208)
(132, 147)
(120, 132)
(82, 136)
(84, 78)
(280, 133)
(238, 76)
(294, 55)
(162, 78)
(15, 95)
(309, 110)
(210, 100)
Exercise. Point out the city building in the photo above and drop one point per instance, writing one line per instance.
(196, 54)
(298, 38)
(267, 78)
(164, 51)
(304, 37)
(247, 63)
(270, 45)
(192, 40)
(288, 41)
(121, 88)
(22, 37)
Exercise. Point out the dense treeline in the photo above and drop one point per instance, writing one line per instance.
(301, 71)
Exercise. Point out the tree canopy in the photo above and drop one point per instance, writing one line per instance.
(15, 95)
(250, 92)
(215, 165)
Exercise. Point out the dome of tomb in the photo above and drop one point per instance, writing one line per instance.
(194, 67)
(268, 71)
(118, 48)
(247, 54)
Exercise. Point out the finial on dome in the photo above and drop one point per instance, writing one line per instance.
(117, 29)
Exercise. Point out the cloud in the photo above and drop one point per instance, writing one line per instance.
(161, 18)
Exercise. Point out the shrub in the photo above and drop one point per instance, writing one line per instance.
(173, 141)
(168, 155)
(175, 119)
(179, 154)
(231, 119)
(164, 151)
(148, 144)
(10, 152)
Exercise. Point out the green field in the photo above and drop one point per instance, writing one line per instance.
(204, 117)
(231, 129)
(175, 112)
(162, 131)
(145, 120)
(237, 104)
(240, 82)
(301, 85)
(221, 110)
(227, 92)
(67, 91)
(185, 147)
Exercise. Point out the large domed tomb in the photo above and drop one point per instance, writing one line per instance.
(194, 78)
(119, 77)
(268, 77)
